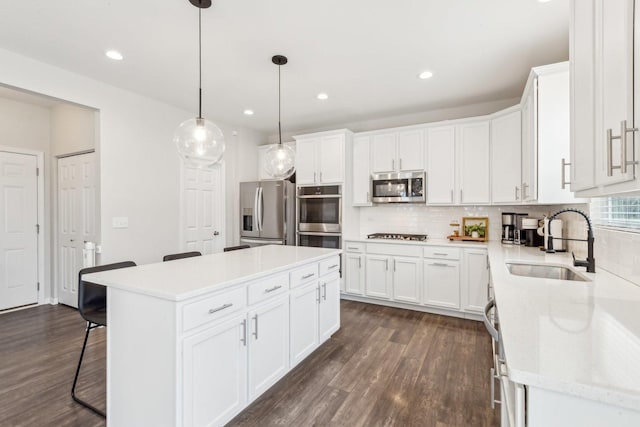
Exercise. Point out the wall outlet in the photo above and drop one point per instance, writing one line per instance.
(120, 222)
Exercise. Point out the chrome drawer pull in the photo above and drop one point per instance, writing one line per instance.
(563, 177)
(441, 254)
(222, 307)
(275, 288)
(333, 266)
(243, 340)
(441, 264)
(306, 276)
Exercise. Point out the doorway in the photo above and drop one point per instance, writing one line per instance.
(77, 220)
(18, 229)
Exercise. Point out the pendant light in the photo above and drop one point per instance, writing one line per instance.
(199, 141)
(279, 160)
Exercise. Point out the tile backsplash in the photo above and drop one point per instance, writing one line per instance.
(618, 252)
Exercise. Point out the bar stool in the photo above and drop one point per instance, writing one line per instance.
(181, 255)
(235, 248)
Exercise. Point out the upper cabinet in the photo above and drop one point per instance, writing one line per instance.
(545, 136)
(361, 174)
(320, 157)
(397, 151)
(604, 100)
(473, 163)
(441, 162)
(505, 156)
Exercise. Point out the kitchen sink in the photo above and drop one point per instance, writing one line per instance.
(544, 271)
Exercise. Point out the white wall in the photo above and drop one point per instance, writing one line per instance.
(73, 129)
(139, 166)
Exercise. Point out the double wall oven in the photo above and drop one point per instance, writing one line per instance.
(319, 216)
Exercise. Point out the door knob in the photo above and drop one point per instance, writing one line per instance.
(216, 233)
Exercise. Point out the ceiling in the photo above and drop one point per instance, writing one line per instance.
(365, 54)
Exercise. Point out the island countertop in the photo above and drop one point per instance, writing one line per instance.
(190, 277)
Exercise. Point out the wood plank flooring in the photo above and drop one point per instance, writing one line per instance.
(385, 367)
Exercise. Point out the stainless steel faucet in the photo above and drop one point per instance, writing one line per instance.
(590, 262)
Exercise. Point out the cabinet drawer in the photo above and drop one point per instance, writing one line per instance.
(330, 265)
(304, 274)
(354, 247)
(268, 287)
(214, 307)
(393, 249)
(442, 253)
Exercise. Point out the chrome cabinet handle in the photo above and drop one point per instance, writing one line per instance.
(441, 264)
(314, 177)
(487, 323)
(222, 307)
(318, 296)
(275, 288)
(359, 262)
(333, 266)
(393, 164)
(440, 253)
(306, 276)
(324, 291)
(563, 178)
(320, 176)
(524, 190)
(461, 198)
(386, 264)
(243, 340)
(368, 199)
(394, 264)
(517, 189)
(255, 333)
(400, 164)
(624, 162)
(451, 196)
(351, 248)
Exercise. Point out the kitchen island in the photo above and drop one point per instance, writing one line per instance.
(192, 342)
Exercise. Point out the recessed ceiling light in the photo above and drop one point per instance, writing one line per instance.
(323, 96)
(114, 54)
(248, 112)
(425, 75)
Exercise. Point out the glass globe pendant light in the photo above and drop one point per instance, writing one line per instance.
(199, 141)
(279, 160)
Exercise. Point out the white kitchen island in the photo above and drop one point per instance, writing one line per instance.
(192, 342)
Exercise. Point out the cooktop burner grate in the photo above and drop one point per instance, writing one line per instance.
(390, 236)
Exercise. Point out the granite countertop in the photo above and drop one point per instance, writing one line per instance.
(578, 338)
(190, 277)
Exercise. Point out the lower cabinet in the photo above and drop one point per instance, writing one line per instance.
(475, 279)
(268, 338)
(378, 276)
(215, 373)
(354, 273)
(329, 306)
(407, 279)
(442, 283)
(304, 321)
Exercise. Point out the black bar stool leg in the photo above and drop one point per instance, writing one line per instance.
(90, 326)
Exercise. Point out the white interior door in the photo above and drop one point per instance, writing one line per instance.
(18, 230)
(77, 210)
(203, 209)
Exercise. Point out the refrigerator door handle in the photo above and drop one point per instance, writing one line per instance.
(255, 209)
(260, 208)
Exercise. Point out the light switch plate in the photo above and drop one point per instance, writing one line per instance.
(120, 222)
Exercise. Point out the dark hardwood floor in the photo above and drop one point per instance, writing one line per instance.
(385, 367)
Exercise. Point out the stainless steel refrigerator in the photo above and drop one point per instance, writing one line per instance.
(267, 213)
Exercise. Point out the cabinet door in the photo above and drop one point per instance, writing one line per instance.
(475, 280)
(411, 150)
(505, 158)
(378, 276)
(529, 146)
(215, 374)
(304, 322)
(440, 165)
(306, 161)
(354, 275)
(268, 345)
(361, 174)
(582, 87)
(329, 307)
(473, 163)
(331, 160)
(614, 29)
(383, 156)
(407, 279)
(442, 283)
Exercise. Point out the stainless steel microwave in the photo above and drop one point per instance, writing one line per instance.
(403, 187)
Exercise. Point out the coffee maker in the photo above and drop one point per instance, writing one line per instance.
(508, 227)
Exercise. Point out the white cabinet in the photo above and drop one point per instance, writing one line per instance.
(475, 280)
(214, 373)
(329, 306)
(354, 273)
(378, 276)
(545, 136)
(441, 164)
(604, 103)
(320, 158)
(268, 345)
(361, 174)
(304, 321)
(473, 163)
(505, 156)
(442, 283)
(407, 279)
(398, 151)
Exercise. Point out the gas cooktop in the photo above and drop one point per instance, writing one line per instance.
(389, 236)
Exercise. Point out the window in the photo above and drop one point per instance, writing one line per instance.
(618, 212)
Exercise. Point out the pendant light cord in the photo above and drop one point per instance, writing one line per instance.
(199, 63)
(279, 102)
